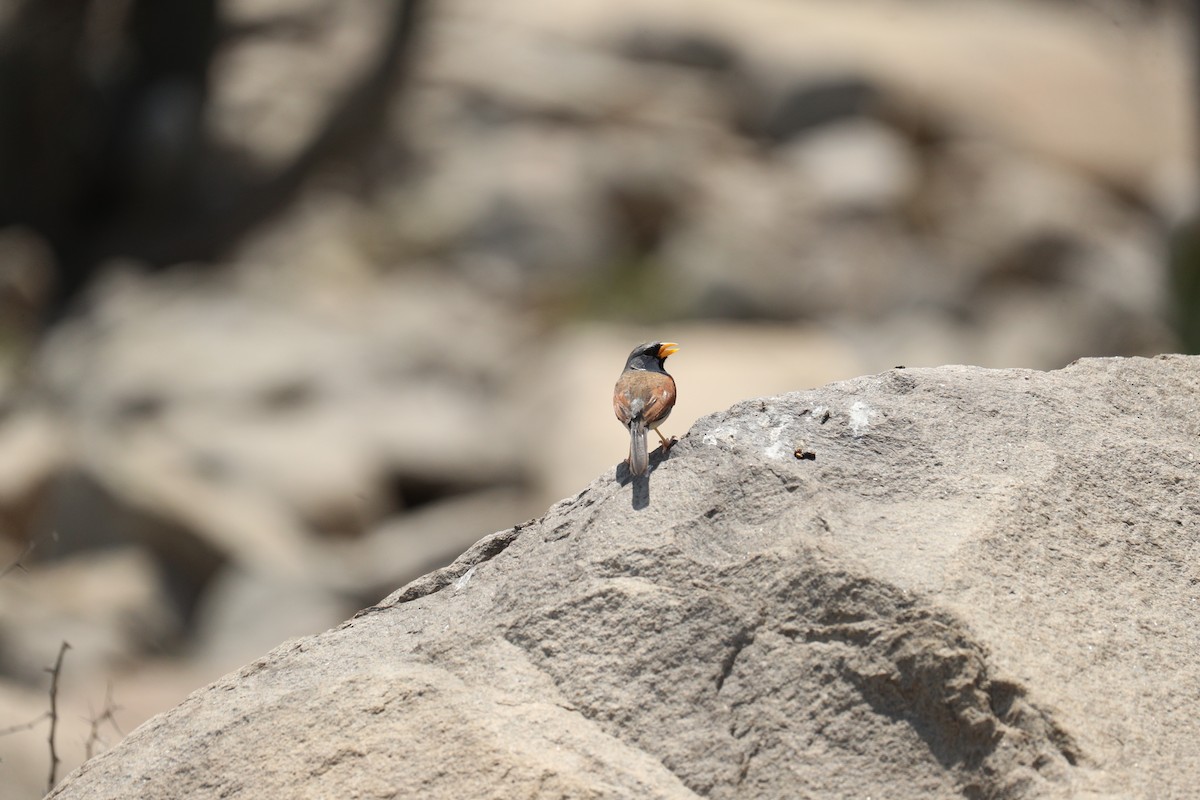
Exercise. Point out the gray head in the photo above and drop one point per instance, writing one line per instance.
(650, 356)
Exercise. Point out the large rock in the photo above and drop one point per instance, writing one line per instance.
(926, 583)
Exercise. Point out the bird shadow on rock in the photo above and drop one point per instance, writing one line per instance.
(640, 496)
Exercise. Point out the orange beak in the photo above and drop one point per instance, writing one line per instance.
(667, 349)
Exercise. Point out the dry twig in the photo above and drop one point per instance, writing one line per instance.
(18, 564)
(25, 726)
(106, 715)
(54, 671)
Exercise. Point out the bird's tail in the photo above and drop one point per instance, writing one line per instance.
(639, 459)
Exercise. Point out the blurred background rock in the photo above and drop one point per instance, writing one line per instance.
(298, 298)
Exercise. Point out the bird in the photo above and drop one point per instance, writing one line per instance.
(643, 398)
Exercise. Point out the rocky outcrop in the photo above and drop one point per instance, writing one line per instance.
(949, 582)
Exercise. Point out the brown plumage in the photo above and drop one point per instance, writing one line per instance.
(643, 399)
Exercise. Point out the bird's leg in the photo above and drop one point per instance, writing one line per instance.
(665, 444)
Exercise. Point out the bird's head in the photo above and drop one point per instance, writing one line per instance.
(651, 355)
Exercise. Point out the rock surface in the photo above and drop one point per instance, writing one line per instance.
(925, 583)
